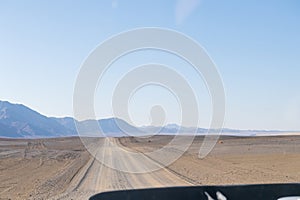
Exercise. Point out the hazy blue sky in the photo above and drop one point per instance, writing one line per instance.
(255, 45)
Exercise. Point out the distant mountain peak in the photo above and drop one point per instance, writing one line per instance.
(175, 126)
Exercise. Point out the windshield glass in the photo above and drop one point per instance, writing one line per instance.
(114, 95)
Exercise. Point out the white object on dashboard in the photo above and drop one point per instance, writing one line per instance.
(289, 198)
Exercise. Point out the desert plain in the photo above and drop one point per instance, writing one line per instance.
(62, 168)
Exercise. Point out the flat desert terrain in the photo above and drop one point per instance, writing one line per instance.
(62, 168)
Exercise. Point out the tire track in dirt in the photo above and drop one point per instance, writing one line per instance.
(98, 177)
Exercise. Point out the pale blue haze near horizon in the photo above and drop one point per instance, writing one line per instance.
(255, 45)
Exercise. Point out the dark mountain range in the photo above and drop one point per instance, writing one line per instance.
(19, 121)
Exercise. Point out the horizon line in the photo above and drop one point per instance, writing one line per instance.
(171, 123)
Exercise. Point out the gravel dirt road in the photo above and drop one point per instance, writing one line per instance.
(98, 177)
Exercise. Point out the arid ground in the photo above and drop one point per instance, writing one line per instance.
(62, 168)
